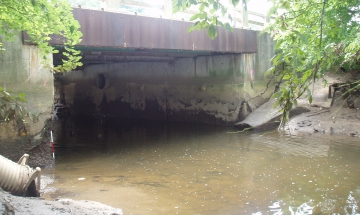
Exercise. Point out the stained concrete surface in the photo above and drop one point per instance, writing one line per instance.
(153, 91)
(267, 117)
(22, 70)
(218, 89)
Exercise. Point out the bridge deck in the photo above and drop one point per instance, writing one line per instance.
(117, 30)
(109, 36)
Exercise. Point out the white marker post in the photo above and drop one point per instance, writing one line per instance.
(52, 144)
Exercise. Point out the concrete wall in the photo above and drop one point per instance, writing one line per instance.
(21, 70)
(218, 90)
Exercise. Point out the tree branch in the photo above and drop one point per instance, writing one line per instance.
(320, 44)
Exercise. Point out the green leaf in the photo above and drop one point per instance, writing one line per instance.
(276, 95)
(309, 95)
(203, 15)
(307, 74)
(202, 6)
(270, 71)
(195, 16)
(223, 11)
(216, 6)
(175, 9)
(212, 32)
(235, 2)
(21, 97)
(287, 77)
(193, 27)
(276, 58)
(228, 27)
(277, 103)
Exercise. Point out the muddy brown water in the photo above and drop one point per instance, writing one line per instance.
(172, 168)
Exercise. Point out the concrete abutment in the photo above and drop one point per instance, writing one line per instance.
(214, 89)
(22, 70)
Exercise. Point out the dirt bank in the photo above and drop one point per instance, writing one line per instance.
(329, 113)
(10, 204)
(13, 146)
(337, 119)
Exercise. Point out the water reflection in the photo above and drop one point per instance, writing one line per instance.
(160, 168)
(277, 208)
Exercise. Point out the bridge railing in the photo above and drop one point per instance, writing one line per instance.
(163, 8)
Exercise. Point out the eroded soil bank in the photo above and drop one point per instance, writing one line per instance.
(13, 145)
(332, 111)
(10, 204)
(337, 119)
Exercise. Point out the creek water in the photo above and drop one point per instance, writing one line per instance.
(172, 168)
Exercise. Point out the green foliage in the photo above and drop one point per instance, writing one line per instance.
(41, 19)
(10, 109)
(312, 37)
(209, 16)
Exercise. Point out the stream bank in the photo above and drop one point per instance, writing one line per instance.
(330, 112)
(10, 204)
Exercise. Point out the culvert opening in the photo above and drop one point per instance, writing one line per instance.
(101, 81)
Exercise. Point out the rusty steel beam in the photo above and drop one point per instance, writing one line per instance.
(141, 4)
(102, 30)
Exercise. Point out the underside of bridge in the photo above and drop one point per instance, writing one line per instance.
(150, 68)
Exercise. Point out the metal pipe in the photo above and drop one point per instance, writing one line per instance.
(19, 178)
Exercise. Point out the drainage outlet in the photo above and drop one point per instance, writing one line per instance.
(102, 81)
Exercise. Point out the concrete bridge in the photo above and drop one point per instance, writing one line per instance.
(150, 68)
